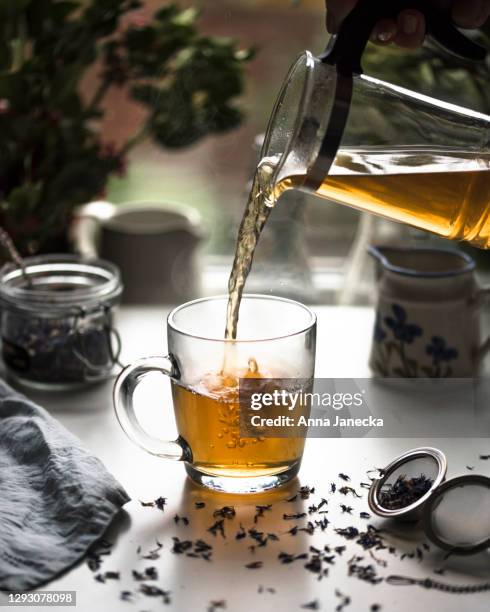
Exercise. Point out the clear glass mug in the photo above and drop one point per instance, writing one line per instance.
(276, 338)
(402, 155)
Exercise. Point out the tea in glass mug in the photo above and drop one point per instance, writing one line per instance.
(276, 339)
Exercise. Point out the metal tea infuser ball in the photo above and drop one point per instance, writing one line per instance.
(454, 514)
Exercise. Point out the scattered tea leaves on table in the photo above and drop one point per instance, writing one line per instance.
(484, 457)
(107, 576)
(126, 596)
(363, 572)
(346, 509)
(344, 477)
(199, 505)
(305, 492)
(159, 503)
(181, 519)
(364, 515)
(97, 551)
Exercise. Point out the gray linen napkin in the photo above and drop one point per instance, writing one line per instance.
(56, 499)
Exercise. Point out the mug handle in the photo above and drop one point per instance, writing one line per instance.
(122, 396)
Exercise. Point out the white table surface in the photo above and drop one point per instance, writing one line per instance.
(343, 343)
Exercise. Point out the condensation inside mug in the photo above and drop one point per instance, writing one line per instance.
(408, 483)
(461, 515)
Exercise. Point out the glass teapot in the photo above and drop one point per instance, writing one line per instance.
(377, 147)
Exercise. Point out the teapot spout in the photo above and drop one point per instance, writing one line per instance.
(382, 255)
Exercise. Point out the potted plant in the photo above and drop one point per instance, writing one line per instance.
(52, 154)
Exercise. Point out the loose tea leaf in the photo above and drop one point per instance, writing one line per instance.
(254, 565)
(344, 490)
(227, 512)
(153, 591)
(291, 517)
(216, 605)
(348, 532)
(344, 477)
(286, 558)
(311, 605)
(149, 573)
(160, 503)
(345, 601)
(218, 527)
(263, 589)
(260, 511)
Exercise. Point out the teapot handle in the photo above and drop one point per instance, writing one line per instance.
(346, 48)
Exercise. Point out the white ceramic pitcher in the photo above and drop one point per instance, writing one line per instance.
(428, 314)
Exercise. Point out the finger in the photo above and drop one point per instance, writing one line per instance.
(470, 13)
(337, 11)
(410, 29)
(384, 31)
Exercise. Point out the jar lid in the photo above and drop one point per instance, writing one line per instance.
(60, 283)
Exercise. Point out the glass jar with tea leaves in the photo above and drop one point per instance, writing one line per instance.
(57, 321)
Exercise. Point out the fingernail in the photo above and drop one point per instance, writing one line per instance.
(409, 24)
(385, 36)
